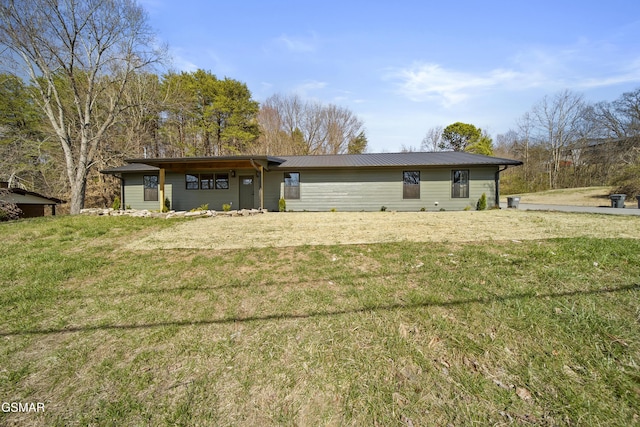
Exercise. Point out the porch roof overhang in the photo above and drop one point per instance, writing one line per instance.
(186, 164)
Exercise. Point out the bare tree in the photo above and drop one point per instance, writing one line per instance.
(341, 127)
(619, 121)
(523, 145)
(308, 127)
(408, 149)
(432, 140)
(80, 55)
(558, 125)
(628, 108)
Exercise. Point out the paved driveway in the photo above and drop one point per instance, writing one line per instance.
(564, 208)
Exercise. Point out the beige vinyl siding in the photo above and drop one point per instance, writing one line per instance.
(481, 180)
(134, 192)
(273, 180)
(185, 200)
(355, 189)
(370, 189)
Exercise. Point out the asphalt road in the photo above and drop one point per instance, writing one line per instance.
(629, 210)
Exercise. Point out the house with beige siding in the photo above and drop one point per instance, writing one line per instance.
(350, 182)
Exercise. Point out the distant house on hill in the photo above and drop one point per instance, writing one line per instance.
(596, 151)
(350, 182)
(30, 203)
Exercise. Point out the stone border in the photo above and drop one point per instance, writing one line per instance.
(171, 214)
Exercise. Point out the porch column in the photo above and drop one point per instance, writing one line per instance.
(161, 189)
(261, 187)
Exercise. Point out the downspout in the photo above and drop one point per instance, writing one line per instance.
(497, 182)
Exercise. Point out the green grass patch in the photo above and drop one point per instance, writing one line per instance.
(538, 332)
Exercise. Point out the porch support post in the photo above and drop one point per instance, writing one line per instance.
(161, 189)
(261, 187)
(123, 205)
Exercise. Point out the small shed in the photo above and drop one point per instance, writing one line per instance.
(31, 204)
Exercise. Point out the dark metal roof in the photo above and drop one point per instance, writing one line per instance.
(443, 158)
(131, 168)
(411, 159)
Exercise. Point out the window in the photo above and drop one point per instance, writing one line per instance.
(192, 182)
(411, 185)
(222, 181)
(206, 181)
(150, 188)
(460, 184)
(292, 185)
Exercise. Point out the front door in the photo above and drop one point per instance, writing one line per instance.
(246, 192)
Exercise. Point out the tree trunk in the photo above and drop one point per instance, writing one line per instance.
(78, 194)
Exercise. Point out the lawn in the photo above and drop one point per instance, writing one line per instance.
(106, 323)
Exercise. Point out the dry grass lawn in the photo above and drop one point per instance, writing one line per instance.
(503, 330)
(329, 228)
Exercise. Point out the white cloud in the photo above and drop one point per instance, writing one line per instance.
(303, 89)
(573, 67)
(584, 65)
(183, 60)
(433, 82)
(298, 44)
(179, 63)
(630, 74)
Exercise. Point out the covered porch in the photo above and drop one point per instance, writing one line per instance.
(235, 180)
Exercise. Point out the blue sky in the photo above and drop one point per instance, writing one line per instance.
(406, 66)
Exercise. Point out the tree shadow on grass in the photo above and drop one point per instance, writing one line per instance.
(317, 314)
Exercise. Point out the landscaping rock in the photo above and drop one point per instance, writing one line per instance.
(144, 213)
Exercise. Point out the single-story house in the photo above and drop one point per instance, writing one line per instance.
(31, 204)
(350, 182)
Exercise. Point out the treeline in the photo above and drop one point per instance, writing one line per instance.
(563, 141)
(566, 142)
(93, 100)
(173, 115)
